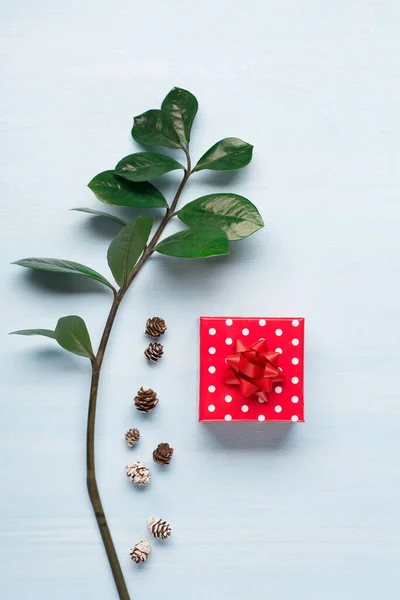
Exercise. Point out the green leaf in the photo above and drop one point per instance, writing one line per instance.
(145, 165)
(154, 128)
(72, 335)
(199, 242)
(99, 213)
(227, 155)
(45, 332)
(126, 248)
(62, 266)
(114, 190)
(181, 107)
(236, 215)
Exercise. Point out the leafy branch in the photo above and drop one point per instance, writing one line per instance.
(213, 220)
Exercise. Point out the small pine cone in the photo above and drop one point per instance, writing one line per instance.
(132, 437)
(158, 528)
(163, 454)
(141, 552)
(146, 399)
(155, 327)
(138, 473)
(154, 351)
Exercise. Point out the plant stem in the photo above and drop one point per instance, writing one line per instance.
(97, 362)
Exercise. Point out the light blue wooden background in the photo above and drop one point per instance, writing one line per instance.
(306, 513)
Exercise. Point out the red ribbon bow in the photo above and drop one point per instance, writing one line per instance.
(253, 368)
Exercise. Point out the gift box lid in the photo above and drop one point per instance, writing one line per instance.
(219, 337)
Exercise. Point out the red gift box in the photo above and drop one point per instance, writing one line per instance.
(251, 369)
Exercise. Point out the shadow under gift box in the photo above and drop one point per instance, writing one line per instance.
(221, 401)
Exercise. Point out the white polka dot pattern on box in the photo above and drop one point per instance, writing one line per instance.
(282, 335)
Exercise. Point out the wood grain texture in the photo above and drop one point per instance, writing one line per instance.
(309, 511)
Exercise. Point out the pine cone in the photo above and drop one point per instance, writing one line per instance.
(158, 528)
(154, 351)
(132, 437)
(155, 327)
(163, 454)
(138, 473)
(141, 552)
(146, 399)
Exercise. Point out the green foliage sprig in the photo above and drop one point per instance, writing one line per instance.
(212, 220)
